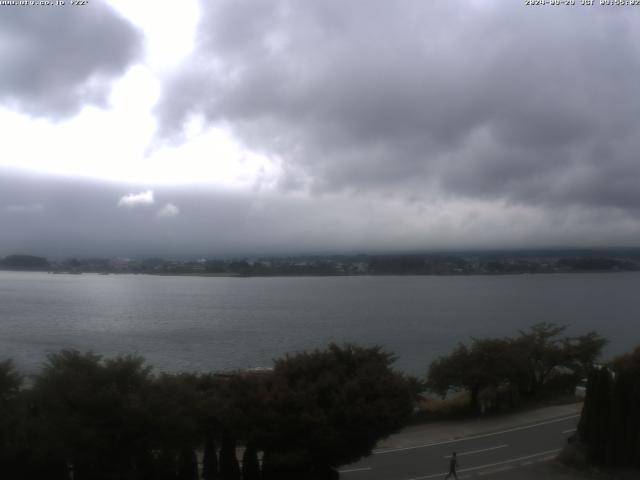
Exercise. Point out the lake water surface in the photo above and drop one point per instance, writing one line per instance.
(207, 323)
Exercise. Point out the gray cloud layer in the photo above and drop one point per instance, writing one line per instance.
(400, 125)
(63, 217)
(535, 106)
(54, 60)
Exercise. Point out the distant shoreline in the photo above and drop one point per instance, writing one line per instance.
(302, 275)
(337, 265)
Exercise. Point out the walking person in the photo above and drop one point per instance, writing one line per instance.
(453, 464)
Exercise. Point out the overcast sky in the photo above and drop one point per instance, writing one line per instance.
(273, 126)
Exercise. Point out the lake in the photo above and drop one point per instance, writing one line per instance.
(209, 323)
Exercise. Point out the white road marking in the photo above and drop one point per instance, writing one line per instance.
(459, 454)
(496, 470)
(473, 437)
(435, 475)
(571, 430)
(489, 465)
(545, 459)
(363, 469)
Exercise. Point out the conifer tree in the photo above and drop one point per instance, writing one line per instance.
(229, 467)
(630, 434)
(167, 466)
(619, 414)
(187, 464)
(610, 422)
(633, 432)
(587, 419)
(210, 458)
(250, 463)
(602, 414)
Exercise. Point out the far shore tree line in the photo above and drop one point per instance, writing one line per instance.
(85, 417)
(470, 263)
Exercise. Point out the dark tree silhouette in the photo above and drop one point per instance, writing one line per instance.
(250, 463)
(538, 361)
(187, 464)
(110, 419)
(487, 363)
(327, 408)
(11, 417)
(93, 412)
(167, 465)
(610, 422)
(210, 458)
(229, 467)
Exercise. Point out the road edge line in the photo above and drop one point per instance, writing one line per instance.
(473, 437)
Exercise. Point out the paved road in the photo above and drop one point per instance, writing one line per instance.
(487, 455)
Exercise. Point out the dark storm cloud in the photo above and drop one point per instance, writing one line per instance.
(59, 217)
(476, 100)
(54, 60)
(73, 217)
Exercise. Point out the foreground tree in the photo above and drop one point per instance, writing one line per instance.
(541, 347)
(210, 457)
(546, 352)
(331, 407)
(11, 421)
(10, 382)
(234, 410)
(103, 419)
(609, 426)
(486, 364)
(92, 413)
(537, 361)
(187, 464)
(174, 403)
(229, 466)
(581, 352)
(250, 463)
